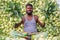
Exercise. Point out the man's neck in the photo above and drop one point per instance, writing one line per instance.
(29, 15)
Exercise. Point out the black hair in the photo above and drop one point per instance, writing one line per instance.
(29, 5)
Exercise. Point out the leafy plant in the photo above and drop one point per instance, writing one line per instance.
(15, 8)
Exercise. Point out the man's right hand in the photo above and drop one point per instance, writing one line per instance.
(16, 25)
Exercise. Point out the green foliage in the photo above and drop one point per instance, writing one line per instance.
(15, 8)
(11, 12)
(50, 11)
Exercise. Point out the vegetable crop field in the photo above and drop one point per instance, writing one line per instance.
(11, 12)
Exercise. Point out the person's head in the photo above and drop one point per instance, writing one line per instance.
(29, 9)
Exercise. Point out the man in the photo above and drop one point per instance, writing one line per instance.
(30, 21)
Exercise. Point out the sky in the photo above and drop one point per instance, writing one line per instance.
(58, 2)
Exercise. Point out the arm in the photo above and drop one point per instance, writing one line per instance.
(39, 22)
(18, 24)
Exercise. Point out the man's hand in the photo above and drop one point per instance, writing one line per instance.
(16, 25)
(39, 22)
(21, 22)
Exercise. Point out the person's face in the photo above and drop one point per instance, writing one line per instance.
(29, 10)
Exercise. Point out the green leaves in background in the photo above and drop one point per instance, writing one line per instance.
(49, 8)
(15, 8)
